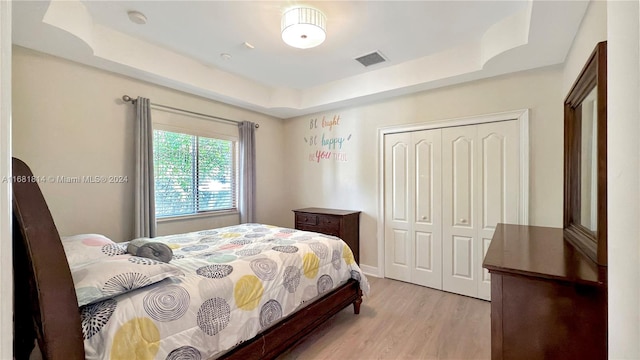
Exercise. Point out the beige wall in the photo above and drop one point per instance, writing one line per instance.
(68, 120)
(623, 178)
(353, 184)
(593, 29)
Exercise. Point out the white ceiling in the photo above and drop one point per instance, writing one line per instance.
(428, 44)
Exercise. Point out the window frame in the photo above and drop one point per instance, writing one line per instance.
(235, 175)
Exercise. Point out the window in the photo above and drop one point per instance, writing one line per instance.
(193, 174)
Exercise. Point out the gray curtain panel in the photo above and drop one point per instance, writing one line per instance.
(145, 204)
(247, 198)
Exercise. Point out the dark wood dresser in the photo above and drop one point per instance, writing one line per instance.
(344, 224)
(548, 300)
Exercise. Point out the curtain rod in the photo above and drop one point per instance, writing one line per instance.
(127, 98)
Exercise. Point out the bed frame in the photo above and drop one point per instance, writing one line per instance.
(45, 304)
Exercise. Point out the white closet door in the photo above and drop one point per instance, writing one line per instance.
(398, 211)
(445, 191)
(459, 230)
(498, 202)
(427, 229)
(481, 187)
(413, 210)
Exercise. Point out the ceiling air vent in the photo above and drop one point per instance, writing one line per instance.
(371, 59)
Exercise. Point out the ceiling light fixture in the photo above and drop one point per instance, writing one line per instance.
(303, 27)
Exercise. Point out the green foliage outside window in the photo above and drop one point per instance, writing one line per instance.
(193, 174)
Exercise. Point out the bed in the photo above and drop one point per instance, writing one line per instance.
(47, 300)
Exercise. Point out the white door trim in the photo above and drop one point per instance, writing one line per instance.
(522, 116)
(6, 258)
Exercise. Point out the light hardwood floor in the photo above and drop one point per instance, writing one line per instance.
(403, 321)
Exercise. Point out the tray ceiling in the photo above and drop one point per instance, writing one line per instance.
(426, 44)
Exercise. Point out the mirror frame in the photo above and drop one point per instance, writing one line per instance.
(593, 76)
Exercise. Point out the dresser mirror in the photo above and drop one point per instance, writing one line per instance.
(585, 159)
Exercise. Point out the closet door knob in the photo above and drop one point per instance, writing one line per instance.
(425, 218)
(463, 221)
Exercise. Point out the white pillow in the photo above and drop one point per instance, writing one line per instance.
(102, 269)
(85, 249)
(117, 275)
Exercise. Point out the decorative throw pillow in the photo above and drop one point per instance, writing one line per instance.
(117, 275)
(85, 249)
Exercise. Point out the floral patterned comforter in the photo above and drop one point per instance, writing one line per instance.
(238, 281)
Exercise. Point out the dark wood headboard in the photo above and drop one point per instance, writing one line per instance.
(45, 304)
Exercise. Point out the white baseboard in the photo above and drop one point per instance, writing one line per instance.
(370, 270)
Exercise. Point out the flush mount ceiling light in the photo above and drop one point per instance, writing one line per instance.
(303, 27)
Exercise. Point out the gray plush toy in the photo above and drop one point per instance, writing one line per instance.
(151, 250)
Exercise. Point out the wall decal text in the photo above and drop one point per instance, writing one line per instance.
(327, 144)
